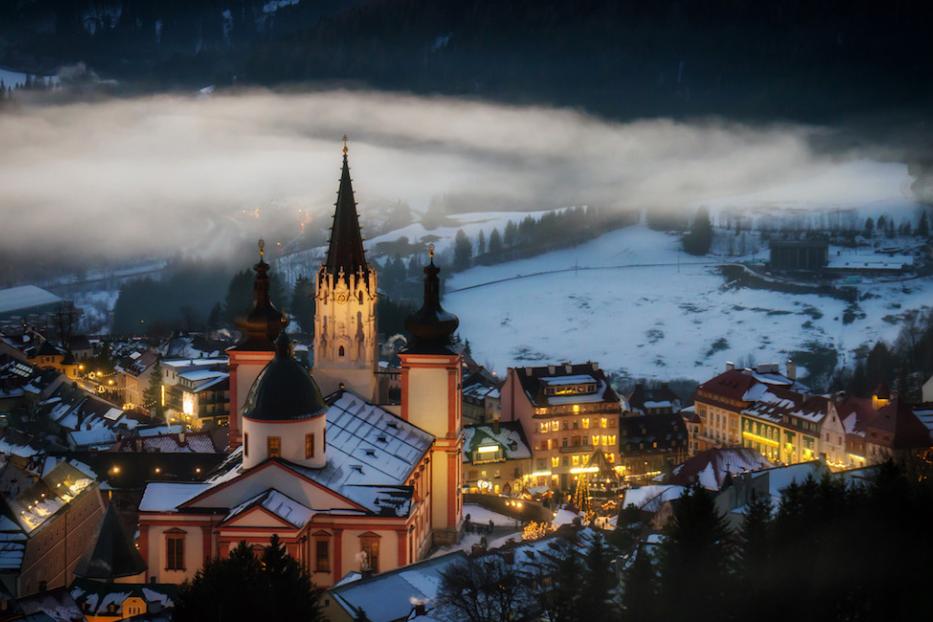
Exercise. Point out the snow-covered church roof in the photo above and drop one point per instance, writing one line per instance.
(370, 456)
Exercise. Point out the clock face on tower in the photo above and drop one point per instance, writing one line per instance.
(342, 297)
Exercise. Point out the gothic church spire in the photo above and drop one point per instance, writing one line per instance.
(345, 250)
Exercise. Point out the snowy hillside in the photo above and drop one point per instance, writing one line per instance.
(665, 316)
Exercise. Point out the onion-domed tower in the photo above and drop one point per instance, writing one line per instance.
(256, 347)
(285, 415)
(431, 400)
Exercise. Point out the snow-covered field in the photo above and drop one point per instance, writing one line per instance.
(676, 318)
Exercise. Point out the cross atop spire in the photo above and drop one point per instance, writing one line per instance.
(345, 251)
(346, 146)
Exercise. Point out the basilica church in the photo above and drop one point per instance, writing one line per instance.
(346, 483)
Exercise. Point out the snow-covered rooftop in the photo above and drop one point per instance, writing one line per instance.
(167, 496)
(25, 297)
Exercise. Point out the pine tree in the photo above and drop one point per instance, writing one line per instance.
(700, 238)
(561, 603)
(923, 227)
(481, 243)
(225, 590)
(292, 596)
(869, 227)
(639, 589)
(595, 603)
(215, 317)
(695, 556)
(239, 296)
(511, 232)
(463, 251)
(152, 395)
(244, 588)
(301, 308)
(495, 243)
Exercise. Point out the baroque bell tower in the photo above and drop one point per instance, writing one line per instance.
(432, 400)
(345, 303)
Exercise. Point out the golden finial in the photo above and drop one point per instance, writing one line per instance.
(346, 146)
(431, 252)
(262, 249)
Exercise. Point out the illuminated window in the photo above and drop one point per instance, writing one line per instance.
(369, 547)
(575, 460)
(543, 427)
(604, 423)
(596, 440)
(555, 461)
(555, 425)
(586, 423)
(612, 440)
(175, 549)
(309, 445)
(611, 457)
(274, 446)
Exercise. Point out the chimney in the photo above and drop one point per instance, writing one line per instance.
(791, 369)
(730, 365)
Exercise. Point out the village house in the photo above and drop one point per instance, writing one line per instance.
(881, 427)
(652, 444)
(658, 400)
(496, 458)
(568, 413)
(772, 413)
(134, 373)
(48, 521)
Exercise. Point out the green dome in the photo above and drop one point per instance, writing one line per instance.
(284, 390)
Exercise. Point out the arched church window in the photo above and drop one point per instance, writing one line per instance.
(359, 296)
(341, 352)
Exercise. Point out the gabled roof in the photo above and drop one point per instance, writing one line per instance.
(113, 555)
(278, 504)
(895, 425)
(643, 398)
(390, 595)
(710, 468)
(535, 380)
(510, 436)
(371, 453)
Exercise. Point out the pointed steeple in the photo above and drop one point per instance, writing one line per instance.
(264, 322)
(113, 555)
(345, 251)
(431, 327)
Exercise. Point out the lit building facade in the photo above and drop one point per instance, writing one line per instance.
(568, 412)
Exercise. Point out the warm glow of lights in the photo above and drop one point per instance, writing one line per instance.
(488, 449)
(588, 469)
(187, 404)
(760, 439)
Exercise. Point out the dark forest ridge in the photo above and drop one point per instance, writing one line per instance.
(794, 59)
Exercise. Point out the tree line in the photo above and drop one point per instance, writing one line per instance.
(532, 236)
(903, 365)
(829, 550)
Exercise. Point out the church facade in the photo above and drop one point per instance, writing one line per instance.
(346, 484)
